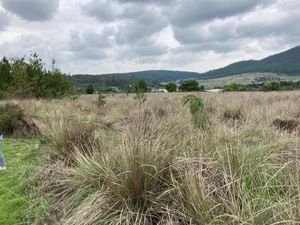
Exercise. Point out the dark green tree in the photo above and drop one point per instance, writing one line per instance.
(171, 87)
(139, 85)
(234, 87)
(189, 85)
(272, 86)
(90, 89)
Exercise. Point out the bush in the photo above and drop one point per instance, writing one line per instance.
(67, 137)
(234, 87)
(101, 99)
(13, 121)
(272, 86)
(139, 86)
(233, 114)
(190, 85)
(90, 89)
(196, 104)
(171, 87)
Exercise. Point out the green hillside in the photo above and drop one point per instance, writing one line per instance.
(123, 79)
(287, 62)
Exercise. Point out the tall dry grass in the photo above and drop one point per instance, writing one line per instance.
(131, 163)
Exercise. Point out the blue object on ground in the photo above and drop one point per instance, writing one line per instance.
(2, 160)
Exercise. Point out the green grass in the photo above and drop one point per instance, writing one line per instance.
(19, 156)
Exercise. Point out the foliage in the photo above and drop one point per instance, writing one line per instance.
(101, 99)
(196, 105)
(190, 85)
(14, 121)
(141, 97)
(123, 80)
(27, 78)
(10, 119)
(271, 86)
(171, 87)
(90, 89)
(139, 85)
(234, 87)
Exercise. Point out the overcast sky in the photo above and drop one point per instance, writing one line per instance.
(103, 36)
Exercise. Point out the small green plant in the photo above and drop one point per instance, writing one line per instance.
(90, 89)
(101, 99)
(196, 104)
(140, 96)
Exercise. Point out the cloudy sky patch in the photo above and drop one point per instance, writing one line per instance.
(105, 36)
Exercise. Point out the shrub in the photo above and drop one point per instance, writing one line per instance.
(234, 87)
(230, 114)
(67, 137)
(139, 86)
(286, 125)
(190, 85)
(101, 99)
(13, 121)
(196, 104)
(171, 87)
(272, 86)
(90, 89)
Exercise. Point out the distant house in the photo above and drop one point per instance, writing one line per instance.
(159, 90)
(215, 90)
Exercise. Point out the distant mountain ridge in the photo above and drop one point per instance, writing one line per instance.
(123, 79)
(287, 62)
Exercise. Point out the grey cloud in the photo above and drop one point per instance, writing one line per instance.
(149, 22)
(33, 10)
(102, 10)
(216, 46)
(90, 44)
(3, 20)
(223, 35)
(189, 12)
(135, 21)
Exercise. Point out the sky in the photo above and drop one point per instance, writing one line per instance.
(108, 36)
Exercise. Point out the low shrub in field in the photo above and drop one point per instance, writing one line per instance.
(233, 114)
(13, 121)
(67, 137)
(198, 113)
(286, 125)
(101, 99)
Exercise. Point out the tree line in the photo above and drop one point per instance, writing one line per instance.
(27, 77)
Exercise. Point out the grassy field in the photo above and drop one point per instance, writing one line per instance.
(132, 163)
(14, 200)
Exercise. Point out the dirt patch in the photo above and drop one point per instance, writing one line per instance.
(286, 125)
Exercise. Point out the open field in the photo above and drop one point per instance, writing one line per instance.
(127, 162)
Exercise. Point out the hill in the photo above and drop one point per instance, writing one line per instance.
(123, 79)
(287, 62)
